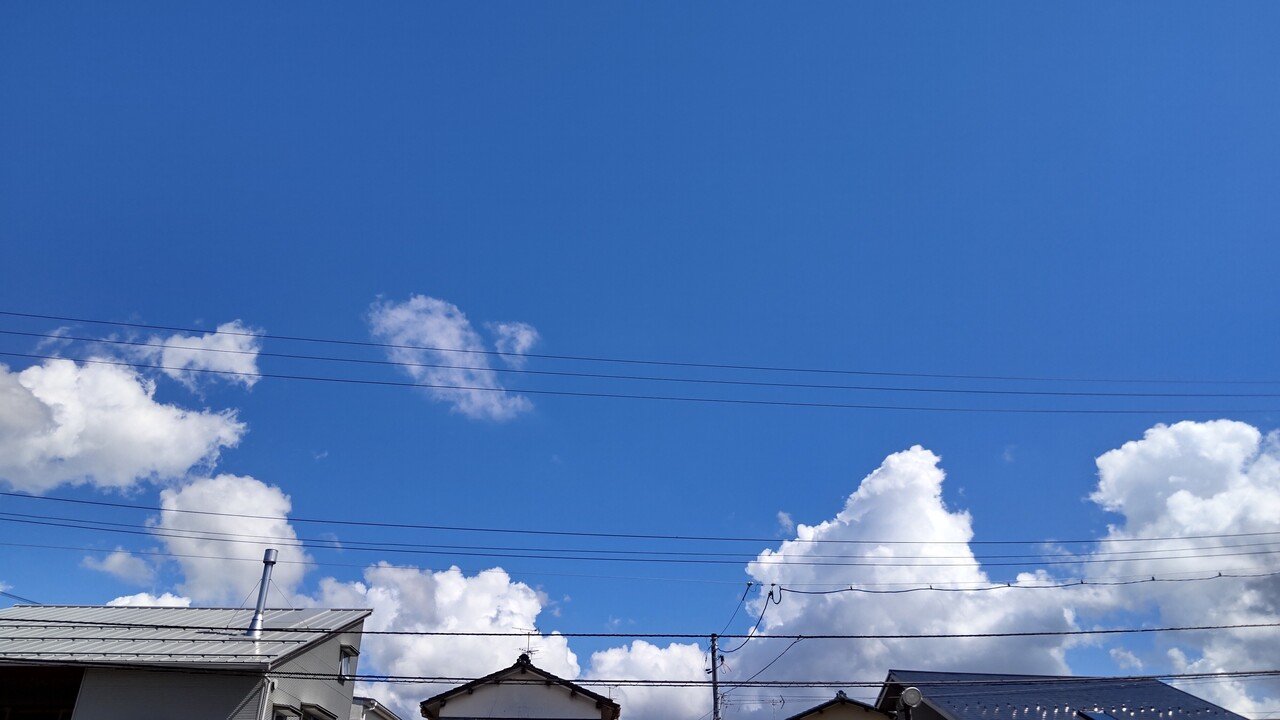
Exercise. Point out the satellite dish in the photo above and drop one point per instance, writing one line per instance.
(911, 697)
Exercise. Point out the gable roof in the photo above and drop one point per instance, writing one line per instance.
(839, 699)
(523, 666)
(984, 696)
(164, 636)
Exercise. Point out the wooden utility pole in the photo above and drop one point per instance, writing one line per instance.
(715, 677)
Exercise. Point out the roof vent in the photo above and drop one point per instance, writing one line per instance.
(268, 562)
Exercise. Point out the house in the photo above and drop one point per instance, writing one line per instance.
(841, 707)
(366, 708)
(113, 663)
(982, 696)
(521, 691)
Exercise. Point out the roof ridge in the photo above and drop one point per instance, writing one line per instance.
(996, 675)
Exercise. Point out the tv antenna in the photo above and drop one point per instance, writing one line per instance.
(529, 649)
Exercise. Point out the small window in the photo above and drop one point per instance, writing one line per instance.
(284, 712)
(347, 670)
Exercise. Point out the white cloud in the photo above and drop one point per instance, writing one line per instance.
(642, 660)
(785, 523)
(901, 500)
(1124, 659)
(230, 353)
(428, 322)
(230, 573)
(1201, 478)
(1189, 478)
(423, 600)
(123, 565)
(514, 339)
(148, 600)
(65, 423)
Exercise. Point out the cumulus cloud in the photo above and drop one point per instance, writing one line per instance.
(642, 660)
(124, 566)
(902, 499)
(428, 322)
(1189, 478)
(228, 572)
(148, 600)
(423, 600)
(514, 339)
(1201, 478)
(68, 423)
(229, 353)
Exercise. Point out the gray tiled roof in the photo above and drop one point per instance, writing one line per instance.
(148, 636)
(981, 696)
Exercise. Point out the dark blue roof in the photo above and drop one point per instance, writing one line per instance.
(981, 696)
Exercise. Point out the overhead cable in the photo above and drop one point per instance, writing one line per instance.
(383, 545)
(625, 536)
(866, 587)
(169, 345)
(632, 361)
(21, 622)
(664, 398)
(86, 525)
(651, 682)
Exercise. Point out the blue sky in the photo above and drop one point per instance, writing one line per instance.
(1002, 189)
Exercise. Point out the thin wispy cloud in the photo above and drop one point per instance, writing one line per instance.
(450, 355)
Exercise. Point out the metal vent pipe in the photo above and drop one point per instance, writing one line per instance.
(268, 562)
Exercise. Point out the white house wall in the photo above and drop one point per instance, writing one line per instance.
(324, 659)
(847, 712)
(519, 700)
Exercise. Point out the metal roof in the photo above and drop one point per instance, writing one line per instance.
(982, 696)
(161, 636)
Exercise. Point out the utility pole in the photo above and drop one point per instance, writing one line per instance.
(715, 677)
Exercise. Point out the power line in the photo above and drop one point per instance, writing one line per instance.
(768, 600)
(634, 361)
(664, 398)
(654, 682)
(319, 544)
(625, 536)
(347, 543)
(21, 622)
(767, 665)
(868, 588)
(19, 598)
(742, 600)
(642, 378)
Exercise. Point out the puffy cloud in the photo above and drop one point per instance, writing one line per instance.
(642, 660)
(230, 353)
(428, 322)
(902, 499)
(1201, 478)
(67, 423)
(124, 565)
(514, 339)
(148, 600)
(423, 600)
(225, 574)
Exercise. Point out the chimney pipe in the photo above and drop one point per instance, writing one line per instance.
(268, 562)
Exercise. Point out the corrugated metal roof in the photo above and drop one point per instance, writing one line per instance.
(981, 696)
(211, 637)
